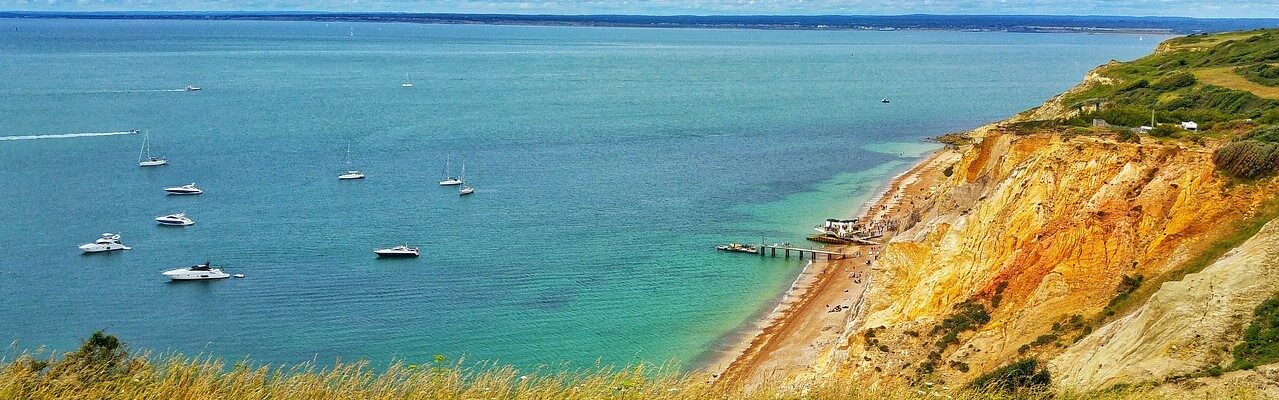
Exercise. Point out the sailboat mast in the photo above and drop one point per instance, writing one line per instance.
(146, 136)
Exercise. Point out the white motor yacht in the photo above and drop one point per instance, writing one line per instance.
(108, 242)
(397, 252)
(184, 189)
(191, 88)
(351, 175)
(196, 273)
(179, 219)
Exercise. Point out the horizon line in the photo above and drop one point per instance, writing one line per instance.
(4, 11)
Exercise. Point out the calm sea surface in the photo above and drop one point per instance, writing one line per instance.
(608, 162)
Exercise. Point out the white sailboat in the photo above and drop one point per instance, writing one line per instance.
(145, 159)
(449, 179)
(407, 83)
(350, 173)
(465, 189)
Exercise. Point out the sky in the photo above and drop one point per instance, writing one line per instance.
(1187, 8)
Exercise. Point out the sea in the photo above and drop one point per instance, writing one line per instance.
(607, 163)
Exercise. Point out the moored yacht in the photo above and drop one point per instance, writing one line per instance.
(148, 160)
(465, 189)
(192, 88)
(196, 273)
(351, 175)
(449, 179)
(184, 189)
(179, 219)
(401, 251)
(108, 242)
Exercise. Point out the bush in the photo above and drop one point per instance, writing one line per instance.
(1248, 159)
(1263, 74)
(1267, 133)
(1026, 374)
(1177, 81)
(1260, 343)
(1163, 131)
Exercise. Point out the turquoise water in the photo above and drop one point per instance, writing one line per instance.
(607, 161)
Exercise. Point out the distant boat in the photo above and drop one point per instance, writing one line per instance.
(885, 100)
(108, 242)
(406, 85)
(179, 219)
(350, 174)
(145, 159)
(187, 189)
(449, 179)
(191, 88)
(402, 251)
(465, 189)
(197, 273)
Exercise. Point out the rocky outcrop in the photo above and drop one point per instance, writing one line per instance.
(1184, 327)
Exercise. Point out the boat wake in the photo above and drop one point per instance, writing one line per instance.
(67, 135)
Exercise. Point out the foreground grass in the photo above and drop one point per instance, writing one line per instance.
(102, 369)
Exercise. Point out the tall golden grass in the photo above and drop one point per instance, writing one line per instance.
(77, 376)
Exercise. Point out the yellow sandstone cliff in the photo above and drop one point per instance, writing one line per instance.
(1040, 230)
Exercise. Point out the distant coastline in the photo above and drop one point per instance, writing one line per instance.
(973, 23)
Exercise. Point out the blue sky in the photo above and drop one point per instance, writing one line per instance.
(1190, 8)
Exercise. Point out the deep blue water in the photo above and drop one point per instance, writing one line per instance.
(608, 161)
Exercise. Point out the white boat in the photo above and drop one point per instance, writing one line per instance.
(191, 88)
(350, 174)
(465, 189)
(108, 242)
(145, 159)
(401, 251)
(184, 189)
(449, 179)
(406, 85)
(196, 273)
(179, 219)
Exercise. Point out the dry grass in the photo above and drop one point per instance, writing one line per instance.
(1227, 78)
(205, 378)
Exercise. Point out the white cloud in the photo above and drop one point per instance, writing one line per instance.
(1193, 8)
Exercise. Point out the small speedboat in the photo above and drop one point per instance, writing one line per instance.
(184, 189)
(179, 219)
(351, 175)
(196, 273)
(406, 85)
(397, 252)
(737, 247)
(191, 88)
(108, 242)
(885, 101)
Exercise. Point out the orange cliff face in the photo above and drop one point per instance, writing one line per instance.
(1035, 229)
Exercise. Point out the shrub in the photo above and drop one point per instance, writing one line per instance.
(1264, 74)
(1265, 133)
(1177, 81)
(1248, 159)
(1026, 374)
(1163, 131)
(1260, 343)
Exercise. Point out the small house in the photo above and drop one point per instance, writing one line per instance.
(1190, 126)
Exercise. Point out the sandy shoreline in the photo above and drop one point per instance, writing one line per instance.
(813, 313)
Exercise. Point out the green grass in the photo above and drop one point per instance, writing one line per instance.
(102, 369)
(1260, 344)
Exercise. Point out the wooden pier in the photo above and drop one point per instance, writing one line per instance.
(813, 254)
